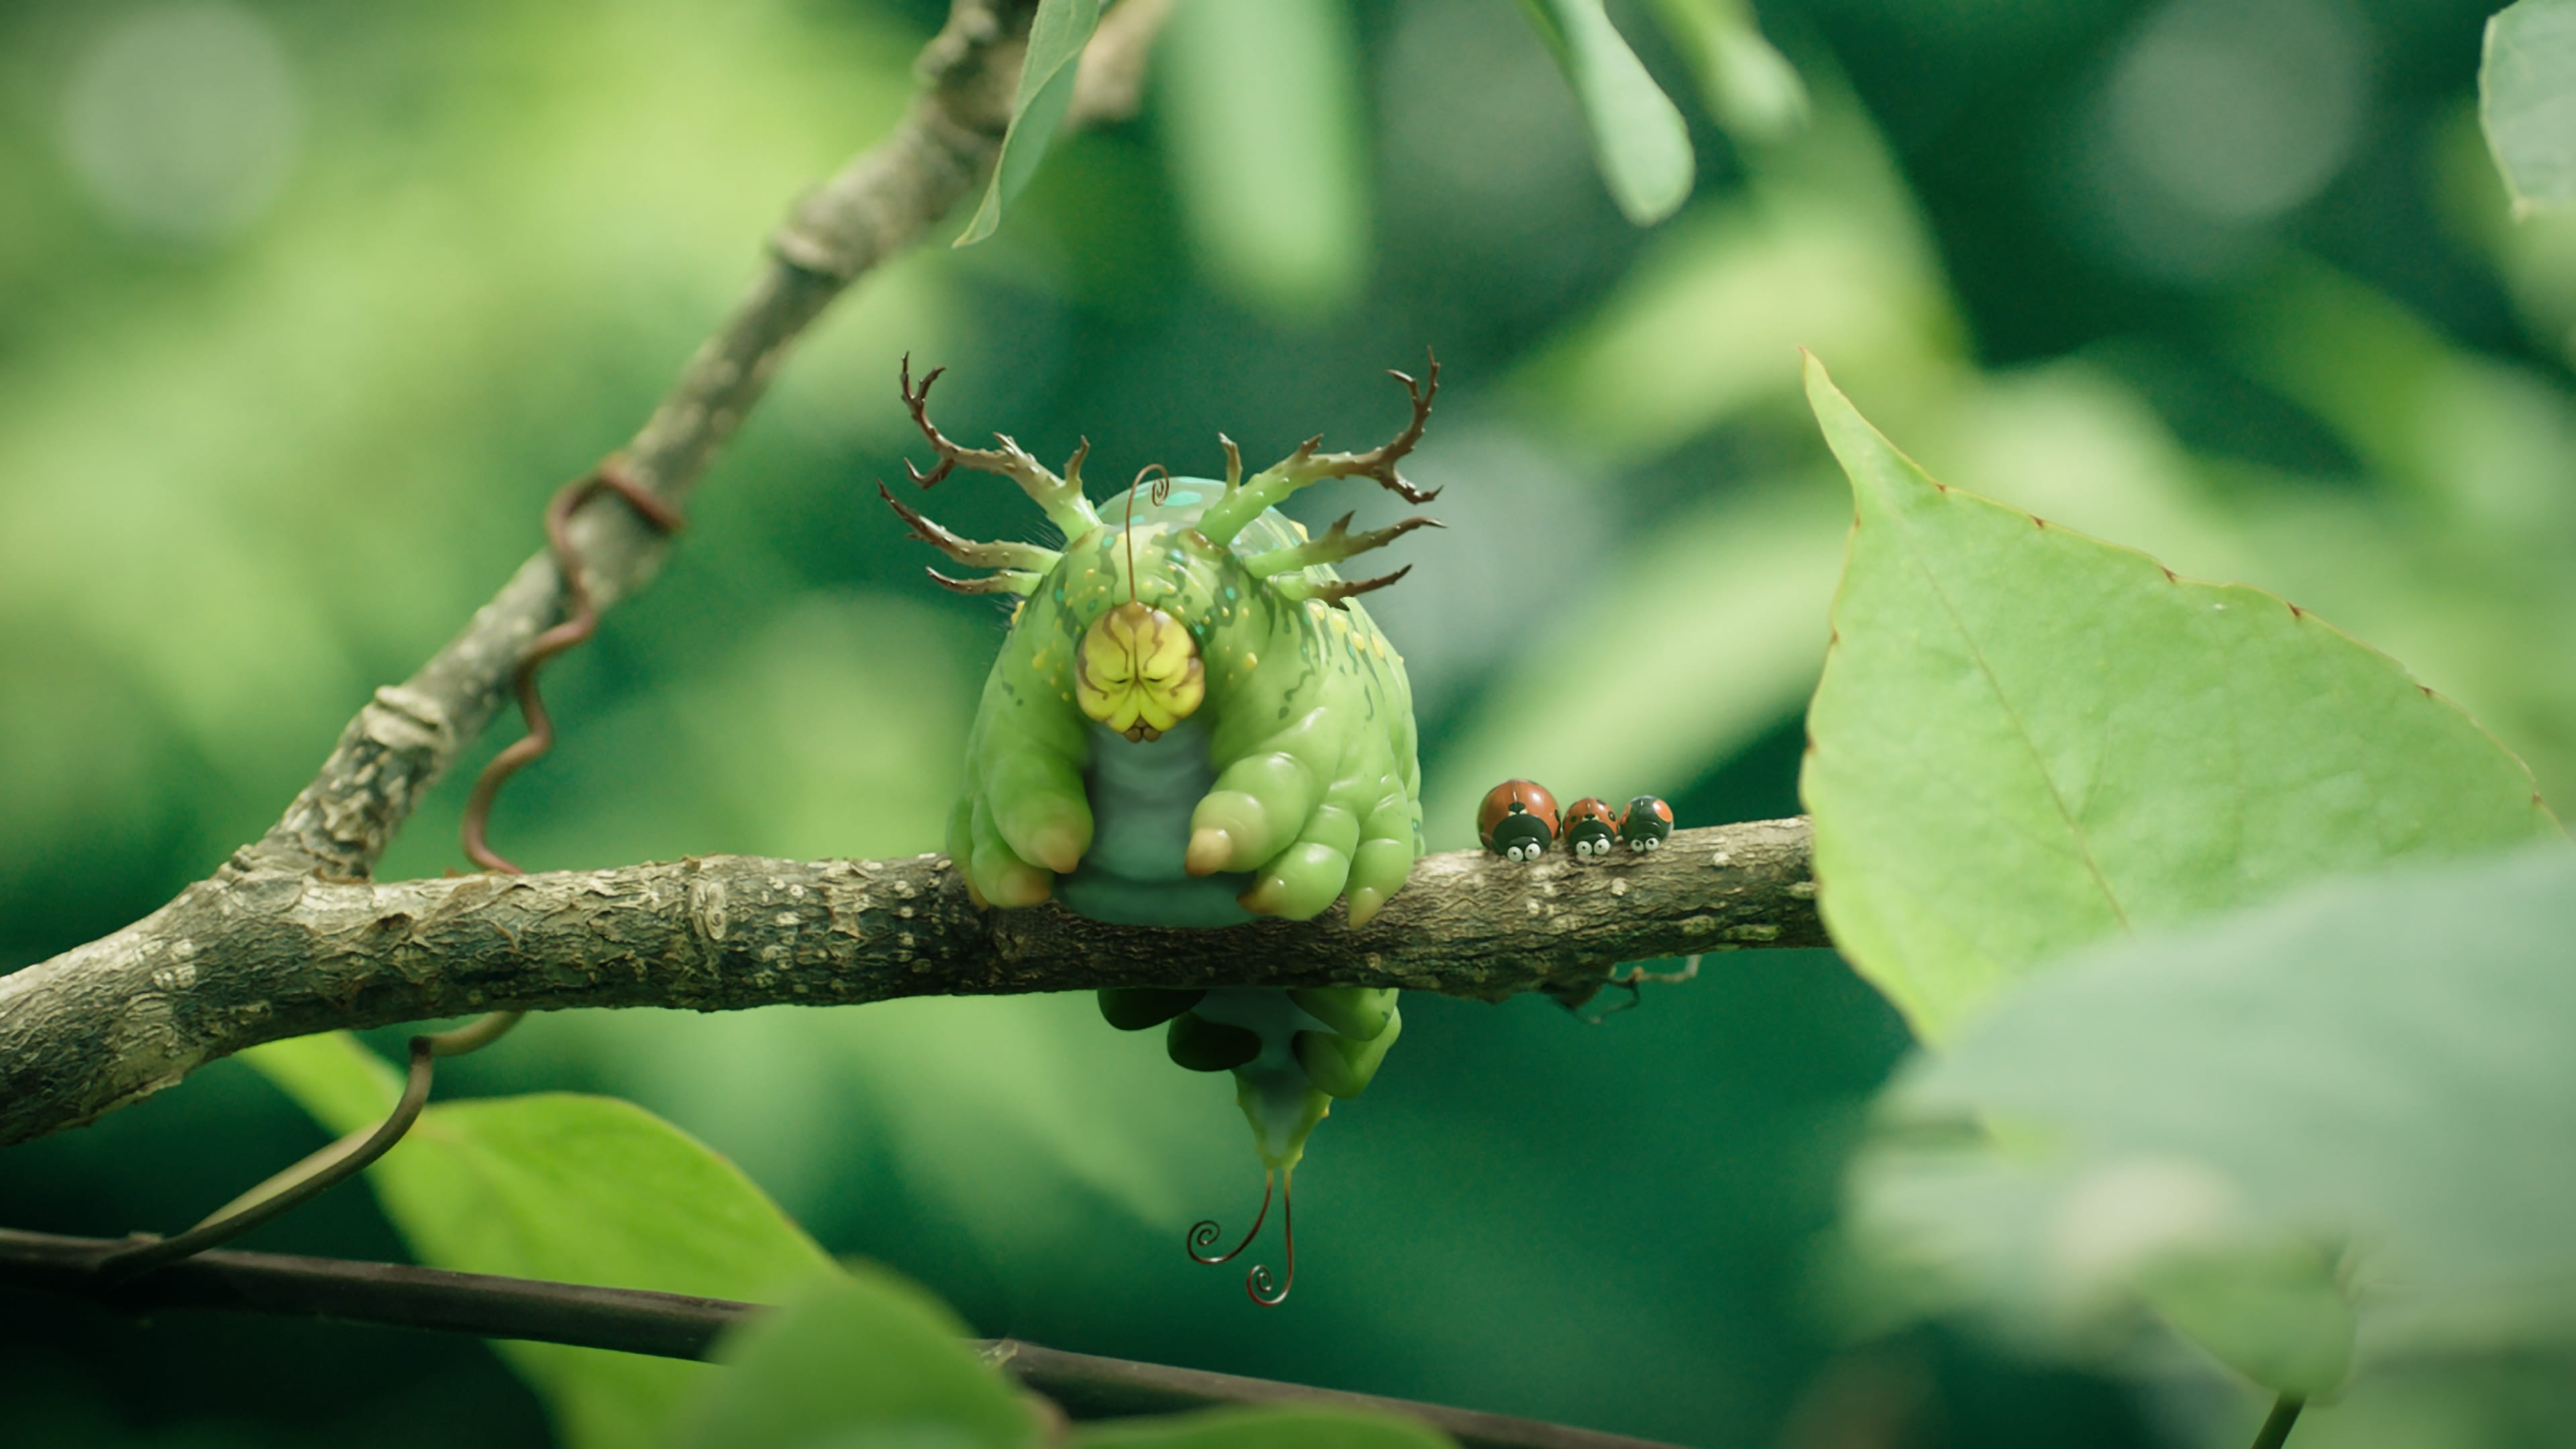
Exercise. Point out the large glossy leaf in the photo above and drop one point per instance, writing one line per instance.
(2026, 739)
(1639, 137)
(1262, 124)
(569, 1188)
(855, 1358)
(2527, 100)
(1056, 38)
(2353, 1102)
(1284, 1428)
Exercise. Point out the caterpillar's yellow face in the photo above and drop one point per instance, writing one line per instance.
(1139, 672)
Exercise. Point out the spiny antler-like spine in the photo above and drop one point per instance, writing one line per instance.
(1337, 590)
(1337, 544)
(1061, 497)
(1021, 564)
(1272, 485)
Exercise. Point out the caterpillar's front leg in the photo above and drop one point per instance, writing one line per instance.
(1309, 842)
(1024, 818)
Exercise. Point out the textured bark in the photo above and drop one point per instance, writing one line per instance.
(263, 954)
(673, 1325)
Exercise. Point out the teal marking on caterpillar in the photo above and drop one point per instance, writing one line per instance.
(1191, 723)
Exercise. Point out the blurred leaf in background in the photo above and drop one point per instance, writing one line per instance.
(2527, 101)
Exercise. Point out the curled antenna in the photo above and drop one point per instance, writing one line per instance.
(1205, 1232)
(1257, 1283)
(1162, 495)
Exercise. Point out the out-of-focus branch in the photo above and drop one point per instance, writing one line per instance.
(1110, 82)
(233, 963)
(671, 1325)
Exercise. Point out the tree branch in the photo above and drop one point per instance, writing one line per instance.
(670, 1325)
(258, 955)
(408, 735)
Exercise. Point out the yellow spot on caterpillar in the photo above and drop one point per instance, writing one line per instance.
(1251, 660)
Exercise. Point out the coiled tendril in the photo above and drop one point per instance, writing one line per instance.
(1205, 1232)
(1258, 1283)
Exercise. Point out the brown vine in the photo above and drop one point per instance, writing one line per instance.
(580, 623)
(344, 1159)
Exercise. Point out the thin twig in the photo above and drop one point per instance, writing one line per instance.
(670, 1325)
(2277, 1424)
(277, 955)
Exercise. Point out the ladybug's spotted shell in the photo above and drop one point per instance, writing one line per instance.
(1591, 821)
(1521, 810)
(1647, 822)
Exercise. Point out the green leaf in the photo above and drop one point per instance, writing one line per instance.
(2316, 1129)
(569, 1188)
(1749, 86)
(1638, 135)
(856, 1358)
(1297, 1428)
(1262, 128)
(2527, 101)
(1056, 38)
(2026, 739)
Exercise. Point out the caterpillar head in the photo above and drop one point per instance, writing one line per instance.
(1138, 671)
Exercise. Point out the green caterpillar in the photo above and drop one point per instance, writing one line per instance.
(1192, 724)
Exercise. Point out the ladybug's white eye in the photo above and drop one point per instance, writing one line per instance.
(1654, 845)
(1636, 845)
(1512, 852)
(1537, 849)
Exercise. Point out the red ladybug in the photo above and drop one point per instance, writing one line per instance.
(1517, 820)
(1591, 827)
(1646, 824)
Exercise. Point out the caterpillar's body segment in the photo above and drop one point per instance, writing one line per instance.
(1298, 766)
(1191, 724)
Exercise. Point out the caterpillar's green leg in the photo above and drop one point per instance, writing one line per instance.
(996, 871)
(1257, 808)
(1299, 882)
(1039, 807)
(1384, 858)
(1358, 1012)
(961, 847)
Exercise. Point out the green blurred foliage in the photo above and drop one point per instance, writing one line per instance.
(2280, 1131)
(304, 310)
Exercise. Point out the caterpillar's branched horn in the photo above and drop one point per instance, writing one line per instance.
(1062, 497)
(1267, 488)
(1337, 544)
(1009, 581)
(1026, 557)
(1335, 592)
